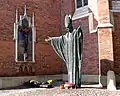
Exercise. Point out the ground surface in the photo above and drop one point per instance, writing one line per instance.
(59, 92)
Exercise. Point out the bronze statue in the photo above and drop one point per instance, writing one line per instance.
(69, 49)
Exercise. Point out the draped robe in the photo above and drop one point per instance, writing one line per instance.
(24, 44)
(69, 49)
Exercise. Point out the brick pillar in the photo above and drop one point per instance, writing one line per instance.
(105, 41)
(103, 11)
(105, 38)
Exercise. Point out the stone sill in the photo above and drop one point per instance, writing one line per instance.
(105, 25)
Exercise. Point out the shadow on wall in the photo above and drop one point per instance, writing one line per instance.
(90, 57)
(106, 65)
(64, 68)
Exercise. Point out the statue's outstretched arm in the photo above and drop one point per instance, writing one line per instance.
(48, 39)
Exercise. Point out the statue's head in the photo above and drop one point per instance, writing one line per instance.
(25, 23)
(68, 23)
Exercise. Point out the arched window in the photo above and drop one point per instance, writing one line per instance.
(24, 36)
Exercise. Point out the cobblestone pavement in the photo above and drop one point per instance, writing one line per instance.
(59, 92)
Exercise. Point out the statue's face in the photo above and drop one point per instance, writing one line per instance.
(25, 23)
(67, 21)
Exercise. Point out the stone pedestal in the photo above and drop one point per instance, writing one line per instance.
(111, 81)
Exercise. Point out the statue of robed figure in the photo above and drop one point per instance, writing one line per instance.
(24, 36)
(69, 49)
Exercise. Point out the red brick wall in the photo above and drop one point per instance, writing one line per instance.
(116, 42)
(90, 57)
(116, 39)
(90, 61)
(47, 21)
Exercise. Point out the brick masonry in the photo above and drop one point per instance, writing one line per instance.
(90, 61)
(106, 49)
(47, 22)
(105, 37)
(103, 11)
(116, 42)
(103, 45)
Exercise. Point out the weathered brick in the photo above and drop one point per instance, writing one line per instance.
(116, 42)
(47, 22)
(90, 59)
(103, 11)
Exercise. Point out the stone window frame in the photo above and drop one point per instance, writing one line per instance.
(15, 38)
(82, 12)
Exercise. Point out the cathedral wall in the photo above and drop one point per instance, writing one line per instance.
(47, 22)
